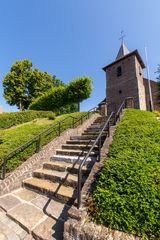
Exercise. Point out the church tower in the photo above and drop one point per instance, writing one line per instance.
(124, 78)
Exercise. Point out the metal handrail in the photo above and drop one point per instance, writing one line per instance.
(87, 114)
(86, 157)
(38, 138)
(120, 108)
(98, 139)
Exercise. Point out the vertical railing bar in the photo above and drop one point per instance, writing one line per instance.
(38, 143)
(59, 129)
(99, 150)
(4, 168)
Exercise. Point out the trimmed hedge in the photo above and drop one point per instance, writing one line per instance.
(57, 97)
(8, 120)
(127, 194)
(14, 137)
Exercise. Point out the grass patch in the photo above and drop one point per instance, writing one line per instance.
(8, 120)
(17, 135)
(127, 194)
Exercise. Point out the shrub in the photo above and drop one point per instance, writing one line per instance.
(14, 118)
(157, 113)
(56, 98)
(127, 194)
(51, 116)
(51, 100)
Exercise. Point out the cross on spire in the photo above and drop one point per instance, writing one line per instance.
(122, 36)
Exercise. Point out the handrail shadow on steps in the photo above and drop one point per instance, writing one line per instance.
(98, 141)
(57, 127)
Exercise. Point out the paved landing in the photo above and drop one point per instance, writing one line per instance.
(26, 215)
(10, 230)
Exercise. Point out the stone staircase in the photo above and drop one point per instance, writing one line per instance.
(58, 177)
(57, 180)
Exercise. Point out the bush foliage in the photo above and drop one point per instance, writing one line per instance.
(14, 118)
(14, 137)
(127, 194)
(74, 92)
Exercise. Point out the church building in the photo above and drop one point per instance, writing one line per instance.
(125, 79)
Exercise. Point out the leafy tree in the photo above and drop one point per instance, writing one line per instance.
(69, 108)
(79, 89)
(23, 84)
(76, 91)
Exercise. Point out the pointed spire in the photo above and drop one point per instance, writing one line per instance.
(122, 51)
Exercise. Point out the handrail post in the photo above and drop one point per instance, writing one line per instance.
(114, 118)
(119, 116)
(38, 147)
(108, 129)
(99, 149)
(73, 122)
(59, 129)
(4, 169)
(79, 189)
(81, 120)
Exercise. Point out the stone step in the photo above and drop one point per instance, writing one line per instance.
(61, 192)
(72, 159)
(63, 167)
(49, 229)
(93, 129)
(65, 178)
(86, 137)
(90, 131)
(75, 152)
(78, 147)
(100, 120)
(80, 142)
(93, 133)
(96, 125)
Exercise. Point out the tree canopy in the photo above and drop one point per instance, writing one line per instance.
(76, 91)
(23, 84)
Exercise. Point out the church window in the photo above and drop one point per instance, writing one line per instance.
(119, 71)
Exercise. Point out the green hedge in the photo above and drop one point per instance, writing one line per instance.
(127, 194)
(14, 137)
(75, 92)
(14, 118)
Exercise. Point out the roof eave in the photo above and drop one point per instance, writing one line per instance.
(118, 60)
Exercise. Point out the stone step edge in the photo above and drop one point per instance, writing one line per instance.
(70, 152)
(67, 180)
(48, 192)
(71, 159)
(63, 166)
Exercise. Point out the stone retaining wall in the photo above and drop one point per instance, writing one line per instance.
(14, 180)
(77, 230)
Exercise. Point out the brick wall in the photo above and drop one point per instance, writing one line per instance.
(129, 84)
(155, 94)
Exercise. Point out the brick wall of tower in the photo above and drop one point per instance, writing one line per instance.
(129, 84)
(155, 94)
(141, 86)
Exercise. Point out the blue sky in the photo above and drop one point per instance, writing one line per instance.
(72, 38)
